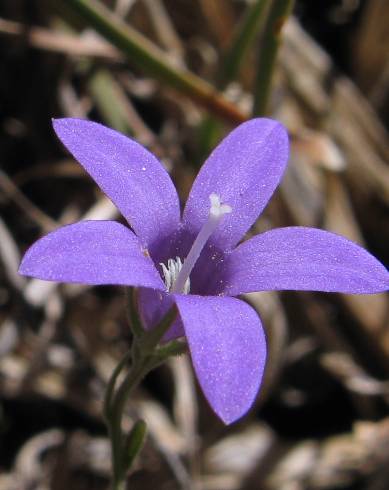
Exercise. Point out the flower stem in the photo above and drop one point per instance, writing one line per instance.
(278, 14)
(145, 355)
(132, 312)
(114, 422)
(112, 382)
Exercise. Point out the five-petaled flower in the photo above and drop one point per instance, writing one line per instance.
(194, 260)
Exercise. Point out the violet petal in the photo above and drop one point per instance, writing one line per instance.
(305, 259)
(91, 252)
(129, 174)
(228, 350)
(244, 170)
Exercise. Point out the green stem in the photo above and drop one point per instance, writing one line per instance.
(110, 100)
(133, 317)
(145, 356)
(153, 60)
(111, 385)
(278, 14)
(242, 38)
(115, 422)
(119, 485)
(134, 443)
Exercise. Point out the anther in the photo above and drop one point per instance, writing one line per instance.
(170, 274)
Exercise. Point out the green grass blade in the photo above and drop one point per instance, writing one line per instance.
(278, 14)
(153, 61)
(210, 129)
(242, 39)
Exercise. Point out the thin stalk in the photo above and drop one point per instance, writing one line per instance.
(134, 443)
(111, 385)
(136, 374)
(278, 14)
(133, 317)
(110, 100)
(153, 60)
(145, 356)
(242, 39)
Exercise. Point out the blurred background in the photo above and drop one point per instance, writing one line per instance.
(177, 75)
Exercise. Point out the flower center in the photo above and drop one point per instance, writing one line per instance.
(170, 274)
(177, 274)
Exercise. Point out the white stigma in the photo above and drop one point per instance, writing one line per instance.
(216, 212)
(170, 274)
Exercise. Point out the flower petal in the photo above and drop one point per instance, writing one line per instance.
(228, 350)
(91, 252)
(303, 258)
(244, 170)
(129, 174)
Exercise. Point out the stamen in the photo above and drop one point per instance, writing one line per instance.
(216, 213)
(171, 272)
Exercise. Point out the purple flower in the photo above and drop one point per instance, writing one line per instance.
(195, 261)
